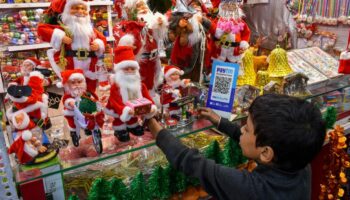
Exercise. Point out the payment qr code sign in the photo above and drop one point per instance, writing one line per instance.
(222, 86)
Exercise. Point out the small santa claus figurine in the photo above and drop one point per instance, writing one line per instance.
(232, 33)
(149, 30)
(171, 90)
(82, 44)
(127, 87)
(26, 147)
(81, 109)
(30, 99)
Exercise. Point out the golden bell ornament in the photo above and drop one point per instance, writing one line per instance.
(262, 78)
(279, 66)
(249, 76)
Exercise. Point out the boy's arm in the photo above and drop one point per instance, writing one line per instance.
(219, 181)
(229, 128)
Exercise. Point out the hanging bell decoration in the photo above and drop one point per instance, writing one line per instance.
(249, 76)
(279, 66)
(262, 78)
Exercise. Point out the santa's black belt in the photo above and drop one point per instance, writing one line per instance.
(230, 44)
(81, 54)
(149, 55)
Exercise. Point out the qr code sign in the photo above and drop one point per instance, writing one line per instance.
(222, 84)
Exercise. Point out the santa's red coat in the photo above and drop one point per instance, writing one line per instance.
(115, 104)
(46, 33)
(17, 147)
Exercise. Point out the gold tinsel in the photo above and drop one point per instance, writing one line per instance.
(249, 76)
(278, 67)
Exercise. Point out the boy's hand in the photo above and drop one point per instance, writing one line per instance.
(154, 127)
(210, 115)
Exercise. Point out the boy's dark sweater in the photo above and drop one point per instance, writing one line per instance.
(265, 182)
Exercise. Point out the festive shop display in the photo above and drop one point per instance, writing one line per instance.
(82, 78)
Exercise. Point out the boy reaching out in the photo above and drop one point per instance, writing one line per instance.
(283, 134)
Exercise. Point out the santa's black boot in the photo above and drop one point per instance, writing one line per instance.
(75, 138)
(137, 131)
(123, 135)
(87, 132)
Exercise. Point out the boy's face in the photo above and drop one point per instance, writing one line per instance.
(248, 141)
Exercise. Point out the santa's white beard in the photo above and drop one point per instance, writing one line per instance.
(76, 91)
(148, 18)
(174, 84)
(195, 36)
(81, 29)
(131, 82)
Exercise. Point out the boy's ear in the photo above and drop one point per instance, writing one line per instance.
(267, 154)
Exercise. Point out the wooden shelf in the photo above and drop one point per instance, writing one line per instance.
(29, 47)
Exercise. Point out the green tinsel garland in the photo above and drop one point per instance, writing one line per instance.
(330, 117)
(118, 190)
(213, 151)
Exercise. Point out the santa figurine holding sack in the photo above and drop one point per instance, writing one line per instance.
(75, 43)
(81, 108)
(127, 87)
(171, 90)
(149, 31)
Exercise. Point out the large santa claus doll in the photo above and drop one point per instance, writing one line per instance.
(81, 109)
(127, 87)
(75, 43)
(149, 29)
(232, 33)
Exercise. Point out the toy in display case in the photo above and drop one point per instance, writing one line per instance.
(295, 84)
(346, 99)
(244, 97)
(99, 18)
(334, 99)
(272, 88)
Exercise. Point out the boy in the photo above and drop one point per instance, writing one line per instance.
(283, 134)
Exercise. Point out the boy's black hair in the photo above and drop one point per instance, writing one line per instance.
(292, 127)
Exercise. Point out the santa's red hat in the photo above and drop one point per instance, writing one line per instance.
(170, 69)
(58, 6)
(124, 57)
(69, 75)
(32, 61)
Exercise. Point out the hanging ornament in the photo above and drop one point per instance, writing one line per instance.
(279, 66)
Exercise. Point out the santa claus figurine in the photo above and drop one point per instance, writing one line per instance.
(30, 100)
(127, 87)
(75, 43)
(232, 33)
(26, 147)
(81, 109)
(148, 29)
(171, 90)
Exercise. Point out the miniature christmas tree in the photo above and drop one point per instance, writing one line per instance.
(330, 117)
(138, 188)
(86, 105)
(177, 180)
(99, 190)
(230, 155)
(337, 161)
(158, 186)
(118, 190)
(73, 197)
(213, 151)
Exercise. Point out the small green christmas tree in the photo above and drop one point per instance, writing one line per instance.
(158, 185)
(138, 188)
(99, 190)
(86, 105)
(213, 151)
(230, 156)
(177, 180)
(118, 190)
(330, 117)
(73, 197)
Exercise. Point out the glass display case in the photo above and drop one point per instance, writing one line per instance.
(125, 160)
